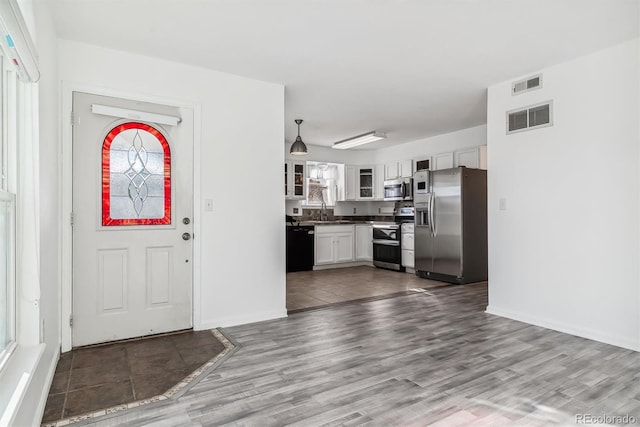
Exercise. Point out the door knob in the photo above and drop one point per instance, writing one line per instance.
(186, 236)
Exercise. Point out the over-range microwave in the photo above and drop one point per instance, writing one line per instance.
(398, 189)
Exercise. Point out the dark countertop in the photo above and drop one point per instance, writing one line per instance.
(343, 222)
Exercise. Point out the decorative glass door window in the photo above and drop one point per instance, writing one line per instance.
(136, 176)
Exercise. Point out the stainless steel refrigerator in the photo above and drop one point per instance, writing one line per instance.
(451, 224)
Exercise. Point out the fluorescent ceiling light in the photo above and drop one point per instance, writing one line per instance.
(359, 140)
(123, 113)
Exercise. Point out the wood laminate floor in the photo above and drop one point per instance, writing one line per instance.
(323, 288)
(419, 359)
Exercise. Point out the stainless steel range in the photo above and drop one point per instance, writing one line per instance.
(387, 252)
(387, 245)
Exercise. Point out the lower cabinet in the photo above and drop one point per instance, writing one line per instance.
(408, 258)
(364, 242)
(334, 244)
(407, 239)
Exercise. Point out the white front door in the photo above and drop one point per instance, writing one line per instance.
(132, 220)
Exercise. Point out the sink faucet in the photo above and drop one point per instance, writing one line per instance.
(323, 212)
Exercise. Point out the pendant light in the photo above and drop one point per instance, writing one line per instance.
(298, 148)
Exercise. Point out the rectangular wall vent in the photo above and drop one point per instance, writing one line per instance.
(531, 117)
(530, 83)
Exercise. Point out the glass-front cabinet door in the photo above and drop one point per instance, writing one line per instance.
(294, 180)
(365, 183)
(287, 187)
(298, 180)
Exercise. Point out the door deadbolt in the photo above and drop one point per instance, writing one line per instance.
(186, 236)
(186, 221)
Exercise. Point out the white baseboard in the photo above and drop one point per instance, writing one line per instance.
(566, 328)
(224, 322)
(343, 265)
(47, 386)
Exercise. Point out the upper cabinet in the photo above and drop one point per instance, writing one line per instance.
(361, 183)
(406, 168)
(402, 169)
(391, 170)
(294, 180)
(443, 161)
(365, 183)
(350, 183)
(475, 157)
(379, 182)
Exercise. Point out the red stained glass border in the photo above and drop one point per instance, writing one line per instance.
(106, 177)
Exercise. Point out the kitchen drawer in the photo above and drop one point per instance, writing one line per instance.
(323, 229)
(407, 241)
(408, 227)
(408, 259)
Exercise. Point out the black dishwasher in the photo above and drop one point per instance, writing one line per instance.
(300, 242)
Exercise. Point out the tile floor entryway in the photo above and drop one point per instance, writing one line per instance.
(103, 376)
(322, 288)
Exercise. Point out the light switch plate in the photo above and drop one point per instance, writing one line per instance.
(503, 204)
(208, 205)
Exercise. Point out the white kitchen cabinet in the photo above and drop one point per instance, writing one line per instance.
(407, 243)
(379, 182)
(360, 183)
(443, 161)
(402, 169)
(334, 244)
(350, 183)
(325, 249)
(406, 168)
(344, 247)
(408, 258)
(294, 180)
(364, 242)
(475, 157)
(365, 178)
(391, 170)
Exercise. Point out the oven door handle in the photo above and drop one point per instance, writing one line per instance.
(386, 242)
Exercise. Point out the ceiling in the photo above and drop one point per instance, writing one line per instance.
(410, 68)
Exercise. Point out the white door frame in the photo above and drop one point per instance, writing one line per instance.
(65, 175)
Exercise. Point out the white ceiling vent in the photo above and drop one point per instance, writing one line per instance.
(531, 117)
(530, 83)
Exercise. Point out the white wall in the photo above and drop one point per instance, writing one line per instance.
(564, 254)
(241, 133)
(327, 154)
(466, 138)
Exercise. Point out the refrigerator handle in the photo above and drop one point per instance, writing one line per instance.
(431, 215)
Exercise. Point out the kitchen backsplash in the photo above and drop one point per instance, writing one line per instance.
(349, 210)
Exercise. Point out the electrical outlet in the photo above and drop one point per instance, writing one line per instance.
(208, 205)
(503, 204)
(354, 211)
